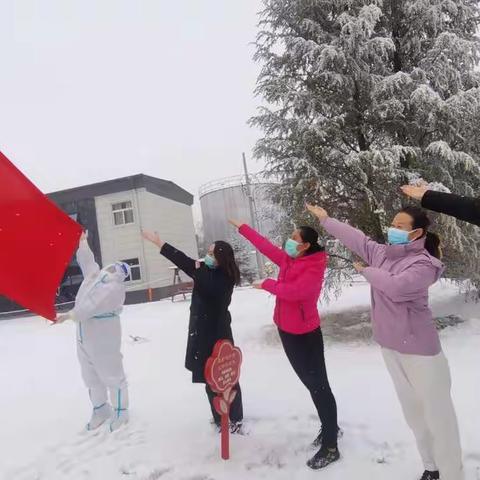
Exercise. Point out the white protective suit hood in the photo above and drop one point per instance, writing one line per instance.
(103, 290)
(115, 272)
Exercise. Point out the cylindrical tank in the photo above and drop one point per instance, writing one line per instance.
(228, 198)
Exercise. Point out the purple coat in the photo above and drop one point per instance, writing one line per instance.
(400, 276)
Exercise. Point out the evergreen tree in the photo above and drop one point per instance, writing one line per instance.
(245, 258)
(365, 95)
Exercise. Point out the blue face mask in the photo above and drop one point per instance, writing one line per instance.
(291, 248)
(210, 262)
(398, 237)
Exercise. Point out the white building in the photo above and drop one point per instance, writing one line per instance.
(114, 213)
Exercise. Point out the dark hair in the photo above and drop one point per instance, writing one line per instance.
(421, 220)
(225, 257)
(310, 235)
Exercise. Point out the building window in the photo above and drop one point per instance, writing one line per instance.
(136, 273)
(122, 213)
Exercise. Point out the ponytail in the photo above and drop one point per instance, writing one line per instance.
(310, 235)
(421, 220)
(433, 245)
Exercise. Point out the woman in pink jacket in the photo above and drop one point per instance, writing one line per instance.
(302, 267)
(400, 274)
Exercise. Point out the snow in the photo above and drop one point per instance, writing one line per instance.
(43, 404)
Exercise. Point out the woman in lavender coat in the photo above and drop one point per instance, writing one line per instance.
(400, 274)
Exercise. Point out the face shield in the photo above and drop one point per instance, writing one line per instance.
(119, 270)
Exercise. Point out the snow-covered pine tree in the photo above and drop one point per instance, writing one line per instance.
(245, 258)
(364, 95)
(436, 82)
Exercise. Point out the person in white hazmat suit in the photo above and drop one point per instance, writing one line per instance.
(97, 308)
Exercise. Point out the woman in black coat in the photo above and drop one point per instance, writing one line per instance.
(463, 208)
(210, 320)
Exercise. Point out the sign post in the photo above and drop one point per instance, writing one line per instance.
(222, 372)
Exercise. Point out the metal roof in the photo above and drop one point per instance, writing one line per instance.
(157, 186)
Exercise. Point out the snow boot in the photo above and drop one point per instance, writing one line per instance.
(427, 475)
(317, 443)
(236, 428)
(99, 416)
(120, 418)
(120, 404)
(323, 458)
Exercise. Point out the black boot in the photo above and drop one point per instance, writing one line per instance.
(323, 458)
(236, 428)
(317, 443)
(430, 475)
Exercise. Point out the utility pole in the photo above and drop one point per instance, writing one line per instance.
(253, 214)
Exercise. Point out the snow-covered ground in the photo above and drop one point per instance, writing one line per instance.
(44, 406)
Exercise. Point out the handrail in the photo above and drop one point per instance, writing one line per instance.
(234, 181)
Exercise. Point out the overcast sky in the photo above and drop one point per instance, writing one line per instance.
(97, 89)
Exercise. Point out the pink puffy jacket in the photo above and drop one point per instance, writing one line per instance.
(298, 286)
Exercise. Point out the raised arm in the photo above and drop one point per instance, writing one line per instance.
(354, 239)
(463, 208)
(86, 259)
(264, 246)
(178, 258)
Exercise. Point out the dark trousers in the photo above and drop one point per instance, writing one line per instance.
(306, 355)
(236, 409)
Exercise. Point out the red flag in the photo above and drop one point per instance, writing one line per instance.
(37, 242)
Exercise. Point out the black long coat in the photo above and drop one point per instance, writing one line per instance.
(210, 319)
(463, 208)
